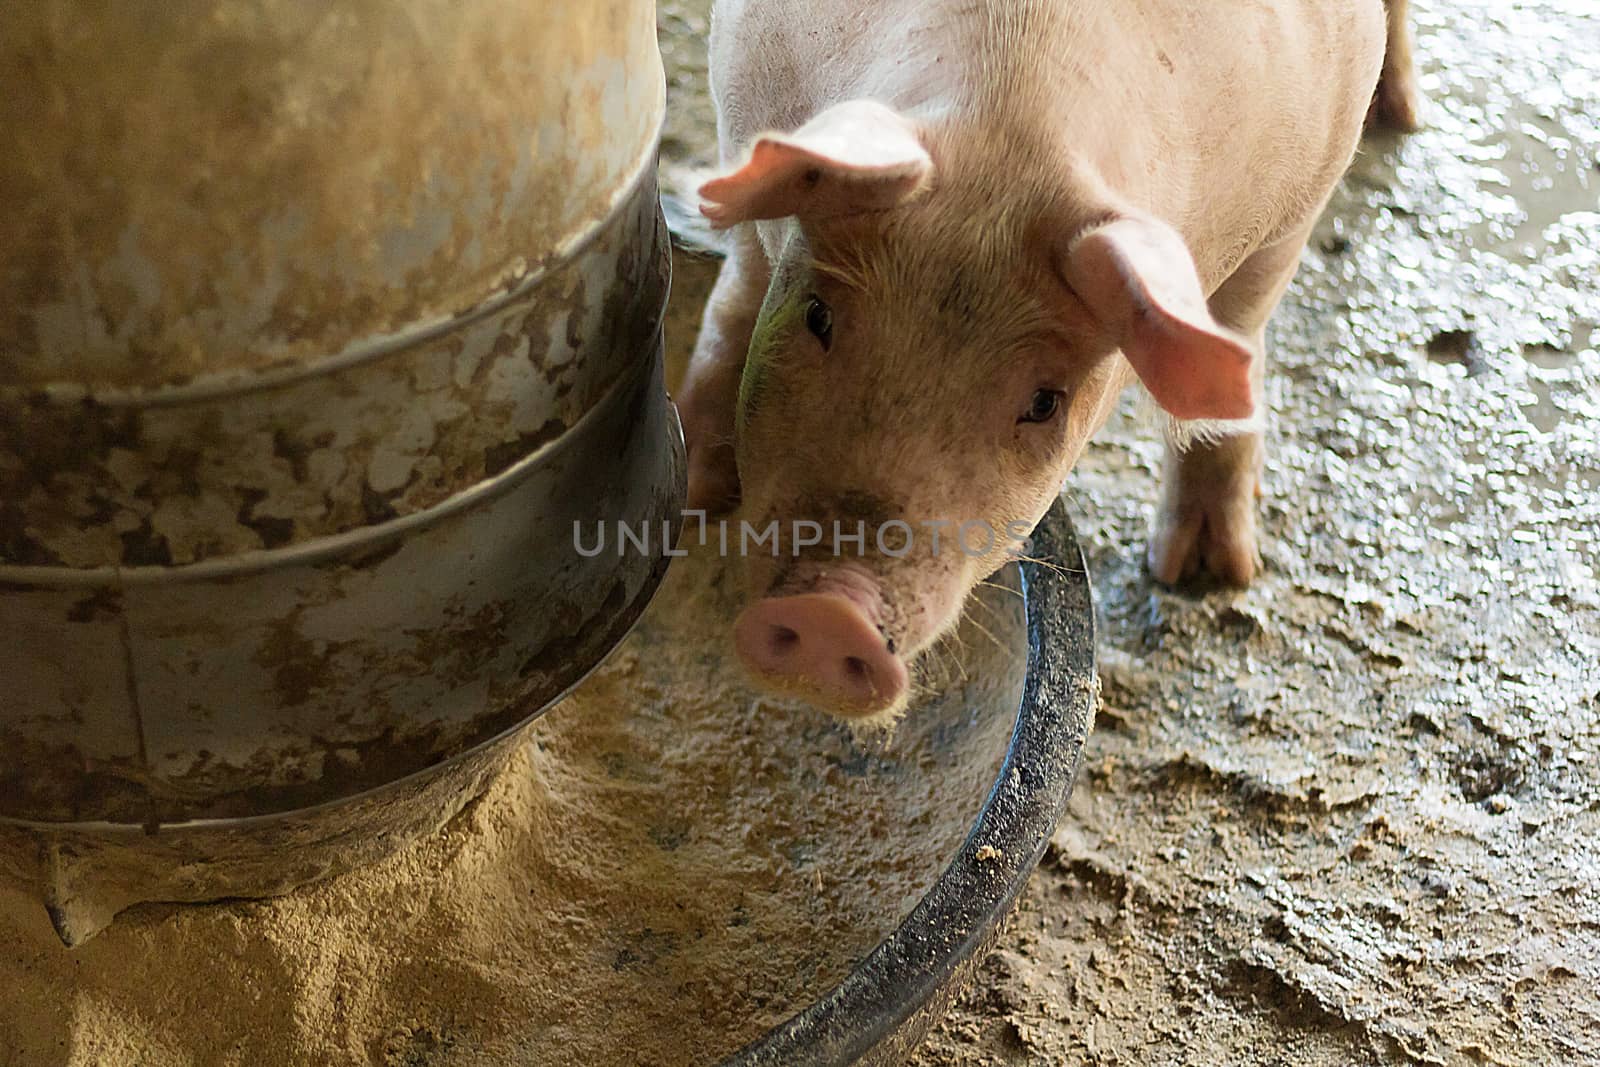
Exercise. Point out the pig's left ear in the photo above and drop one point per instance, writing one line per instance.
(1137, 278)
(854, 157)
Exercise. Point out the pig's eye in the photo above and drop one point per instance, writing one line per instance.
(819, 320)
(1043, 407)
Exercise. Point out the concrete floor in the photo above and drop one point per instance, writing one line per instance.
(1352, 815)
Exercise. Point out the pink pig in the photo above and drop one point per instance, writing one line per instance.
(986, 218)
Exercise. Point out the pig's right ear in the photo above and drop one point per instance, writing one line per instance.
(855, 157)
(1137, 278)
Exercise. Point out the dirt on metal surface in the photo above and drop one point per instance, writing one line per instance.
(174, 479)
(1351, 815)
(398, 163)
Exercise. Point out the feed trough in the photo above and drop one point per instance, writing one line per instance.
(887, 1003)
(670, 870)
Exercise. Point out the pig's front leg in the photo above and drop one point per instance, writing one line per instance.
(710, 391)
(1206, 520)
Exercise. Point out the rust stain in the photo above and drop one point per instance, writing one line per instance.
(423, 139)
(299, 666)
(507, 453)
(87, 485)
(101, 604)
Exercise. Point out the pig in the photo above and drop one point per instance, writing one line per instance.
(958, 230)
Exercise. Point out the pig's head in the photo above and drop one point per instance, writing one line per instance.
(938, 342)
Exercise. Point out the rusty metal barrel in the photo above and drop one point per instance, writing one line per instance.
(320, 327)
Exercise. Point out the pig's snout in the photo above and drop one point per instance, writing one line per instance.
(824, 646)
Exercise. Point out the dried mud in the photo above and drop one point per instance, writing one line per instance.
(1352, 815)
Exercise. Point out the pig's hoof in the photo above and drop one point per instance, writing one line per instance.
(1397, 105)
(1220, 542)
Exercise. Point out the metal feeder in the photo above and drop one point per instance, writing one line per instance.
(321, 327)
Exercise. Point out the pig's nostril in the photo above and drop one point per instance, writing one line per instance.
(823, 644)
(783, 639)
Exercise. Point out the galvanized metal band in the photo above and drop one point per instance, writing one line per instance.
(321, 549)
(366, 351)
(133, 831)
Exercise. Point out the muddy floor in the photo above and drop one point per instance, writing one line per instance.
(1352, 815)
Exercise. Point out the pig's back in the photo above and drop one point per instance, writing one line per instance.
(1230, 118)
(1261, 103)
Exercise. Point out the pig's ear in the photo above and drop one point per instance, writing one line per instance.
(1137, 278)
(854, 157)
